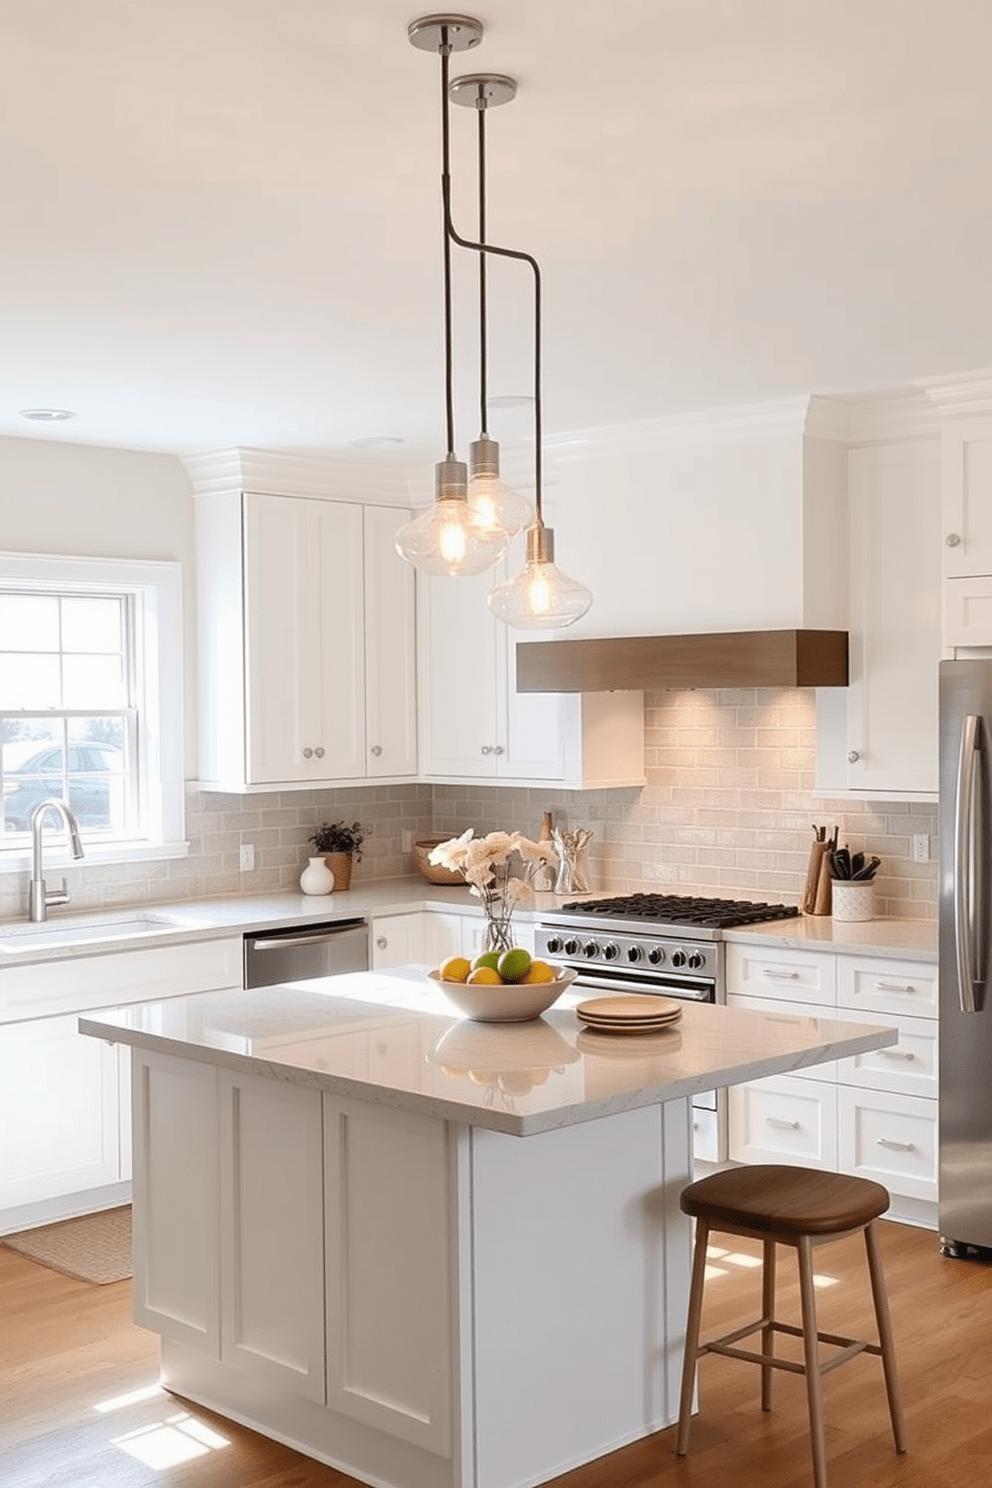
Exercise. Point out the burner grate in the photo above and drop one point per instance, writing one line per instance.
(683, 909)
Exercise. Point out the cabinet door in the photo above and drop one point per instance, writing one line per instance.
(59, 1099)
(399, 940)
(784, 1120)
(304, 588)
(966, 497)
(894, 632)
(890, 1138)
(531, 723)
(459, 728)
(390, 650)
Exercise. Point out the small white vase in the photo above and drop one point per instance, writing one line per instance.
(317, 878)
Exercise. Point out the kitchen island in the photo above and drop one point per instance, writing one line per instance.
(430, 1252)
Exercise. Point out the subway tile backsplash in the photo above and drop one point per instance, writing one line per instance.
(727, 809)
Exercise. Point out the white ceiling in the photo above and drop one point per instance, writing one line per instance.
(221, 221)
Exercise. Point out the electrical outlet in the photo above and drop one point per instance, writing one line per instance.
(247, 858)
(408, 842)
(921, 848)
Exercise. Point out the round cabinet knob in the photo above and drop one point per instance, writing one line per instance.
(696, 960)
(953, 539)
(853, 756)
(377, 750)
(611, 952)
(634, 953)
(678, 958)
(319, 752)
(656, 955)
(487, 749)
(498, 749)
(381, 942)
(590, 949)
(308, 754)
(554, 945)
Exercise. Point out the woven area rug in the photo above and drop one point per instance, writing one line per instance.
(93, 1247)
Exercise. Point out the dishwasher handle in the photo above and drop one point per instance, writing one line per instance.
(284, 942)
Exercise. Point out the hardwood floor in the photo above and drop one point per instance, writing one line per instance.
(67, 1349)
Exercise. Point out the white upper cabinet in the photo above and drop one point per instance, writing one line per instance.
(306, 642)
(966, 496)
(474, 725)
(878, 737)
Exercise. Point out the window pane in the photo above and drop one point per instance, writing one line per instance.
(92, 625)
(29, 620)
(29, 681)
(103, 737)
(93, 682)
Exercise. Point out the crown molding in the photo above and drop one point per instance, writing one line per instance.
(282, 473)
(960, 393)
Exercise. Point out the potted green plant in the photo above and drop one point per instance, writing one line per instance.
(340, 846)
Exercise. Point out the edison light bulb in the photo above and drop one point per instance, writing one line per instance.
(450, 537)
(541, 596)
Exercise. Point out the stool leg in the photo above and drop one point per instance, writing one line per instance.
(692, 1335)
(768, 1313)
(814, 1381)
(880, 1298)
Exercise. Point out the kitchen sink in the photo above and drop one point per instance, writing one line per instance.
(85, 932)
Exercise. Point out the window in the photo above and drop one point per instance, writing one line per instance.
(90, 704)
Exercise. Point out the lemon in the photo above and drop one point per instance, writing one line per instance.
(538, 971)
(454, 969)
(487, 975)
(514, 965)
(486, 958)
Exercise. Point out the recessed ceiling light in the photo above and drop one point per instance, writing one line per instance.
(376, 442)
(47, 415)
(511, 400)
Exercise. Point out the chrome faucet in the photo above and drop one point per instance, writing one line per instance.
(40, 898)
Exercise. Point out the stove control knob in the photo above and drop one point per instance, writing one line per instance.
(610, 951)
(696, 961)
(554, 945)
(591, 948)
(571, 947)
(678, 958)
(656, 955)
(634, 953)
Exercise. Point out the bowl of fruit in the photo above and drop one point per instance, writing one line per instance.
(501, 986)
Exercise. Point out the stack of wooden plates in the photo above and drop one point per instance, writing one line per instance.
(632, 1013)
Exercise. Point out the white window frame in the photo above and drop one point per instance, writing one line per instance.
(156, 592)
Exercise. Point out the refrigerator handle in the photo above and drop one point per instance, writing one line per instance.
(964, 863)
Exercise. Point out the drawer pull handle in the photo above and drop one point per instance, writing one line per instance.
(781, 976)
(896, 1146)
(781, 1125)
(905, 1054)
(895, 987)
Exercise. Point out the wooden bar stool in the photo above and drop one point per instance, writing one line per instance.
(801, 1207)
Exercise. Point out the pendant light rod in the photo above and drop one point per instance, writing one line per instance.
(449, 398)
(483, 315)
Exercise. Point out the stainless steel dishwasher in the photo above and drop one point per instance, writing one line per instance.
(299, 955)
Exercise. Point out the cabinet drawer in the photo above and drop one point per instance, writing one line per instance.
(968, 612)
(775, 1009)
(784, 1120)
(766, 971)
(883, 986)
(906, 1068)
(890, 1138)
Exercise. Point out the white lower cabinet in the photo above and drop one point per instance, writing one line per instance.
(874, 1115)
(431, 935)
(401, 940)
(65, 1113)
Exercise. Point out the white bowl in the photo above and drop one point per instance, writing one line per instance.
(512, 1002)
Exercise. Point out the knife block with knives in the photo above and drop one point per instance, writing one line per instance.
(816, 899)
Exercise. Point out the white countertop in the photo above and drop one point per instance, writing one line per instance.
(392, 1037)
(908, 939)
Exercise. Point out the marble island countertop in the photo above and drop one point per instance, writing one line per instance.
(394, 1038)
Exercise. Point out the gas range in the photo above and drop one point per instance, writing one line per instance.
(667, 943)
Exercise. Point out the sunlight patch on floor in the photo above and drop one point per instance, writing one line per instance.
(133, 1397)
(179, 1438)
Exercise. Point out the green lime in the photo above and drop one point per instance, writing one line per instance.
(513, 965)
(487, 958)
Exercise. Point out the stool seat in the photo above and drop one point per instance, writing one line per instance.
(800, 1208)
(787, 1201)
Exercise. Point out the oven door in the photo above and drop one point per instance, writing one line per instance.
(602, 980)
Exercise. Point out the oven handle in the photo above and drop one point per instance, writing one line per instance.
(687, 991)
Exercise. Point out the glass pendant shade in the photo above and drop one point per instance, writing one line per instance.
(541, 597)
(495, 502)
(451, 538)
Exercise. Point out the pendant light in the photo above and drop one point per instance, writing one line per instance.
(450, 537)
(495, 502)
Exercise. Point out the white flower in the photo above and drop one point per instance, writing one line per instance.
(451, 854)
(516, 891)
(534, 852)
(480, 874)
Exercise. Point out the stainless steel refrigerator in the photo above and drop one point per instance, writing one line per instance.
(965, 949)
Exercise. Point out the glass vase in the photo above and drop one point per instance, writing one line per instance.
(498, 936)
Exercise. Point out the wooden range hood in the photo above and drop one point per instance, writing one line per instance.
(745, 658)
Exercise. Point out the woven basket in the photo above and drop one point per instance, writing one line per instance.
(433, 872)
